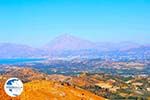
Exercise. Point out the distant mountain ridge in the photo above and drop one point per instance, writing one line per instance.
(68, 45)
(10, 50)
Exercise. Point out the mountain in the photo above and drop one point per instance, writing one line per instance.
(68, 45)
(10, 50)
(68, 42)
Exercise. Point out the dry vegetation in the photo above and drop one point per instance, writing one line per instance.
(48, 90)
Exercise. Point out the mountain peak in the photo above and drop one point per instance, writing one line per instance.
(65, 37)
(69, 42)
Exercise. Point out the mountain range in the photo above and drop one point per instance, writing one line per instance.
(68, 45)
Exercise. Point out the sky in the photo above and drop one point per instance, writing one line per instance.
(37, 22)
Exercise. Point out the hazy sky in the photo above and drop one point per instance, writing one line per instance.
(36, 22)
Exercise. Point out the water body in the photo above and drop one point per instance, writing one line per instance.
(20, 60)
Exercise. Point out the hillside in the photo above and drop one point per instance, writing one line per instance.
(47, 90)
(40, 86)
(26, 74)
